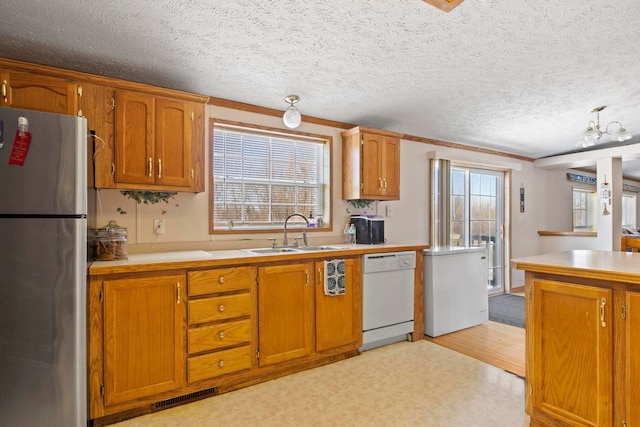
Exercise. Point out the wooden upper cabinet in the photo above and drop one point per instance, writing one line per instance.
(38, 92)
(134, 149)
(370, 164)
(572, 381)
(173, 142)
(158, 142)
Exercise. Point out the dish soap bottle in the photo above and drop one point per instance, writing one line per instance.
(312, 220)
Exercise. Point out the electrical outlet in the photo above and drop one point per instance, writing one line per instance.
(158, 226)
(388, 210)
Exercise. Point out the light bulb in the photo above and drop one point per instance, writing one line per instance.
(292, 117)
(621, 135)
(590, 135)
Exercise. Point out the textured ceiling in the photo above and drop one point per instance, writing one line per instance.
(519, 76)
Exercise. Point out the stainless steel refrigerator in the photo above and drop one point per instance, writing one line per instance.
(43, 225)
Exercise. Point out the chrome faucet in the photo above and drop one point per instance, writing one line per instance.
(285, 240)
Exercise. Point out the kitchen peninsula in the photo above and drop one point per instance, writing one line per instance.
(582, 327)
(169, 328)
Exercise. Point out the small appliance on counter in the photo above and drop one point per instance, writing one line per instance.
(369, 229)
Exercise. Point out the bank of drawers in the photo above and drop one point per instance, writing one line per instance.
(219, 314)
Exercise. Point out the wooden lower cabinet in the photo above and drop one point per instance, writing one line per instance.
(285, 312)
(221, 322)
(573, 354)
(158, 336)
(632, 360)
(339, 318)
(143, 337)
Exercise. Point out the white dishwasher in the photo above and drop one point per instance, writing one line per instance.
(456, 292)
(387, 294)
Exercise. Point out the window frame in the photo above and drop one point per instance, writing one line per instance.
(590, 210)
(326, 193)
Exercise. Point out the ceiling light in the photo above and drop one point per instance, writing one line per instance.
(292, 117)
(593, 133)
(445, 5)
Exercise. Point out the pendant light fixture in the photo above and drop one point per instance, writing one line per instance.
(292, 117)
(593, 133)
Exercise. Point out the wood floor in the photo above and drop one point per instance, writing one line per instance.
(491, 342)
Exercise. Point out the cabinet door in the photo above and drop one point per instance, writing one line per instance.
(173, 125)
(632, 374)
(97, 105)
(42, 93)
(143, 337)
(285, 312)
(573, 350)
(372, 180)
(339, 317)
(135, 155)
(391, 169)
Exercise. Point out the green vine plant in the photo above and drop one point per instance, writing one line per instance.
(149, 197)
(359, 203)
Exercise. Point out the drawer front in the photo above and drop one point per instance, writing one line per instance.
(218, 308)
(218, 336)
(218, 363)
(220, 280)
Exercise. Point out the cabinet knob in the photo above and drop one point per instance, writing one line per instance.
(221, 280)
(221, 334)
(221, 363)
(221, 308)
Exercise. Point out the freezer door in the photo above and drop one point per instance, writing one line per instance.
(43, 322)
(52, 180)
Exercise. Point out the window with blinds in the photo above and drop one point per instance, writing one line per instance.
(260, 177)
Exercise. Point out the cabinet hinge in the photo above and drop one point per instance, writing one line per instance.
(101, 389)
(531, 389)
(257, 281)
(624, 311)
(257, 353)
(530, 295)
(113, 168)
(362, 186)
(624, 423)
(193, 117)
(113, 103)
(192, 173)
(101, 295)
(79, 90)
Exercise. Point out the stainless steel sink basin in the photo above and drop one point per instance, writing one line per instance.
(272, 250)
(318, 248)
(297, 249)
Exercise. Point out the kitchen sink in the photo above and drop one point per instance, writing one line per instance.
(318, 248)
(271, 250)
(296, 249)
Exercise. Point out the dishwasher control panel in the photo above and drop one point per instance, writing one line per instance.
(388, 261)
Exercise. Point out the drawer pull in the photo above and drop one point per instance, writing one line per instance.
(221, 335)
(221, 363)
(221, 280)
(221, 308)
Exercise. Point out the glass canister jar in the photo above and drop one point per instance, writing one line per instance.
(110, 242)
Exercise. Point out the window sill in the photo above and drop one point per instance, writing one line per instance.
(568, 233)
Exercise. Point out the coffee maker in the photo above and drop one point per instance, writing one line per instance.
(369, 229)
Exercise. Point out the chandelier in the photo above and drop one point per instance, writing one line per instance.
(593, 133)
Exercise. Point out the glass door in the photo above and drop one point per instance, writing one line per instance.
(477, 216)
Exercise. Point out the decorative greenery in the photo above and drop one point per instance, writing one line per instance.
(360, 203)
(149, 197)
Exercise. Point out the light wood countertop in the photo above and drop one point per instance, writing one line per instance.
(209, 259)
(589, 264)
